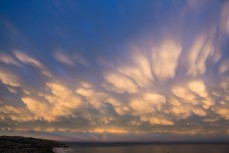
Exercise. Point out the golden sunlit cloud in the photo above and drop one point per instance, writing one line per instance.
(224, 67)
(120, 83)
(157, 121)
(184, 94)
(15, 113)
(224, 112)
(8, 78)
(165, 59)
(7, 59)
(199, 53)
(140, 72)
(26, 59)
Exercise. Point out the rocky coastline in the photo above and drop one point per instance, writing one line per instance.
(17, 144)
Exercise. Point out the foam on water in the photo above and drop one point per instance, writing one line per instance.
(62, 150)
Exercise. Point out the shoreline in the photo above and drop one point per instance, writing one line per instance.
(26, 144)
(61, 150)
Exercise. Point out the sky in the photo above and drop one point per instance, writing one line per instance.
(115, 70)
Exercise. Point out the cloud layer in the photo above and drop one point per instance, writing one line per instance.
(165, 74)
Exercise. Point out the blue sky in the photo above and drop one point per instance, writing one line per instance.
(112, 70)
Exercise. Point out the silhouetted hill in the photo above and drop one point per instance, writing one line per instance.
(17, 144)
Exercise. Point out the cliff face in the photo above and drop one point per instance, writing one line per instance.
(16, 144)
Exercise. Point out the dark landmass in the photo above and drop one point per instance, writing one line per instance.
(17, 144)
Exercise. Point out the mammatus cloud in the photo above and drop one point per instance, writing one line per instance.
(150, 105)
(200, 51)
(165, 59)
(184, 94)
(70, 60)
(60, 102)
(9, 78)
(26, 59)
(15, 114)
(224, 67)
(120, 83)
(225, 18)
(223, 112)
(7, 59)
(140, 70)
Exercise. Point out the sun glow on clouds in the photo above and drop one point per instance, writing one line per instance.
(9, 78)
(70, 60)
(164, 60)
(225, 18)
(140, 71)
(199, 53)
(174, 85)
(7, 59)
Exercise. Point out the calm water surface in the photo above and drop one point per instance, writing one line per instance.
(155, 148)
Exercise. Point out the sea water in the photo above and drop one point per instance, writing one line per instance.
(151, 148)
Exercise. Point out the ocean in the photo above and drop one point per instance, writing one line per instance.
(150, 148)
